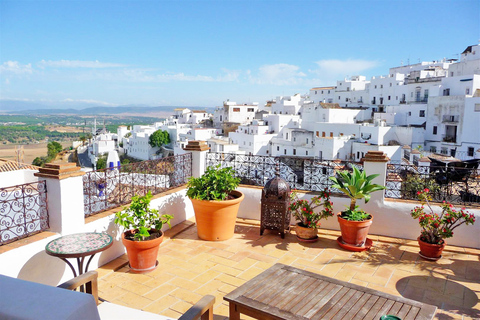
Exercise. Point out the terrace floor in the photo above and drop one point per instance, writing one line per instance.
(190, 268)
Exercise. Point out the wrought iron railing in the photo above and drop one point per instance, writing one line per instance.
(456, 185)
(300, 173)
(23, 211)
(113, 187)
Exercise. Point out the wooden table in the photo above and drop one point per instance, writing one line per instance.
(79, 246)
(284, 292)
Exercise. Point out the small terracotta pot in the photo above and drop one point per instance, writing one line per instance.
(431, 251)
(304, 233)
(354, 232)
(216, 219)
(142, 255)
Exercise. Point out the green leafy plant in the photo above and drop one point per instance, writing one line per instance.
(140, 217)
(214, 184)
(159, 138)
(304, 211)
(436, 227)
(356, 185)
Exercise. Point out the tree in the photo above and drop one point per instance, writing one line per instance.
(159, 138)
(101, 163)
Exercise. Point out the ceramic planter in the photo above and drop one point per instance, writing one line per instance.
(216, 219)
(431, 251)
(306, 234)
(354, 233)
(142, 255)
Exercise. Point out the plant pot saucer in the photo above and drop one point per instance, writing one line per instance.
(368, 244)
(428, 258)
(307, 240)
(143, 271)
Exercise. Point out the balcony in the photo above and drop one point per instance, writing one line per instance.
(190, 268)
(450, 139)
(450, 118)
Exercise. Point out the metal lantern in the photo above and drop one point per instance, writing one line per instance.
(275, 202)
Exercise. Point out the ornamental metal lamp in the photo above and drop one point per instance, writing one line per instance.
(275, 214)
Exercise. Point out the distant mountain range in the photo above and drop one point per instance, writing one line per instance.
(27, 107)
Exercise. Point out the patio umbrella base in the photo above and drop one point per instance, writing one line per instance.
(367, 245)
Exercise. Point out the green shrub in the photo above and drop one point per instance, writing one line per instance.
(214, 184)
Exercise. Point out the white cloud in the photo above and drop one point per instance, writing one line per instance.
(341, 68)
(14, 67)
(278, 74)
(229, 75)
(89, 101)
(7, 81)
(79, 64)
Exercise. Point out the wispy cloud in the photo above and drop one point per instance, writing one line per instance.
(89, 101)
(340, 68)
(79, 64)
(278, 74)
(14, 67)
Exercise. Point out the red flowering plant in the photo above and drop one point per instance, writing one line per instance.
(304, 211)
(436, 227)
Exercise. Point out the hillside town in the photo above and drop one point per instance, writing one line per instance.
(432, 108)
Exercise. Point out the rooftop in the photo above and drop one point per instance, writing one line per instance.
(190, 268)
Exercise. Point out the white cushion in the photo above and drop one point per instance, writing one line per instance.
(111, 311)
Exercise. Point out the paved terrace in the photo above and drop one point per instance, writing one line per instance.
(190, 268)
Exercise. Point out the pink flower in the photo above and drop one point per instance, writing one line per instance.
(426, 190)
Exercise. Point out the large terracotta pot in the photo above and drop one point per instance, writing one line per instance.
(142, 255)
(306, 234)
(216, 219)
(431, 251)
(354, 232)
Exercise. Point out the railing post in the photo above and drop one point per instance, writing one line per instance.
(198, 149)
(65, 196)
(375, 162)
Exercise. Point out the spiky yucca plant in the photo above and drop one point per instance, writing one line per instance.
(356, 185)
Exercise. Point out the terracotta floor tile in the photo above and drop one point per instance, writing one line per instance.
(190, 268)
(160, 291)
(186, 295)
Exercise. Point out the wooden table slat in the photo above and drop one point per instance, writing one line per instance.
(384, 310)
(348, 305)
(404, 311)
(304, 296)
(337, 305)
(312, 302)
(320, 286)
(366, 307)
(394, 310)
(314, 309)
(412, 314)
(290, 293)
(357, 306)
(263, 285)
(278, 288)
(271, 272)
(375, 308)
(329, 304)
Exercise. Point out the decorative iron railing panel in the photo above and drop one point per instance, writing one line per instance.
(456, 185)
(23, 211)
(300, 173)
(113, 187)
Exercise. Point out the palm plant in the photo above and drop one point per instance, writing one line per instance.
(356, 185)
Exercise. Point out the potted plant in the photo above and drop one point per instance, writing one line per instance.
(354, 222)
(437, 227)
(309, 220)
(144, 232)
(215, 202)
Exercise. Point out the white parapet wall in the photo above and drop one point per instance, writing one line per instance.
(391, 218)
(30, 262)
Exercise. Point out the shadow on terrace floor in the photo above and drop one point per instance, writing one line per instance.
(190, 268)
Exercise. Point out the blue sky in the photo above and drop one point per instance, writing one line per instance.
(200, 53)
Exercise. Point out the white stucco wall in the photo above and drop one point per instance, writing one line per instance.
(390, 218)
